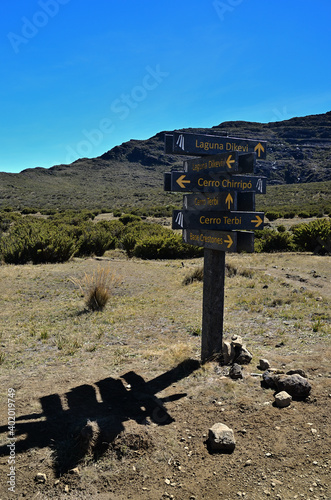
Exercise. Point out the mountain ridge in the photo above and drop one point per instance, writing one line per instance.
(298, 151)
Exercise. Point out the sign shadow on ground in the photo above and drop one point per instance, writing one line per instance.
(59, 426)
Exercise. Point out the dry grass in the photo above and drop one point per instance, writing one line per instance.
(97, 287)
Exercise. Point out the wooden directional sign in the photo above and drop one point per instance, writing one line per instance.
(214, 201)
(184, 143)
(211, 183)
(226, 200)
(224, 162)
(217, 221)
(230, 241)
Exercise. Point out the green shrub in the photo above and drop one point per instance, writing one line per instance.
(94, 239)
(272, 215)
(270, 240)
(161, 247)
(314, 236)
(127, 218)
(128, 242)
(303, 215)
(29, 211)
(36, 241)
(289, 215)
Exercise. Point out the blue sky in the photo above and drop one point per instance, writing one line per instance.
(80, 76)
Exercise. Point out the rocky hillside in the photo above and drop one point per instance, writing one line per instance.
(298, 151)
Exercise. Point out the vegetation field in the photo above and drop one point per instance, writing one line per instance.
(113, 404)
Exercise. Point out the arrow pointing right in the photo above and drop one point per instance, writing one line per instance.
(258, 221)
(229, 240)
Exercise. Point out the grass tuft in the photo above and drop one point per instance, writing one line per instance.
(195, 275)
(97, 287)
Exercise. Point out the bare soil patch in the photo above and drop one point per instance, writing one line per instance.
(115, 405)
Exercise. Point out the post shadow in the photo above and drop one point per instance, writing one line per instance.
(60, 428)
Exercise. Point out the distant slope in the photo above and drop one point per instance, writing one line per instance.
(298, 151)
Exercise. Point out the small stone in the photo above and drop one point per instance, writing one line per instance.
(167, 481)
(283, 399)
(235, 372)
(66, 489)
(227, 353)
(41, 478)
(264, 364)
(221, 438)
(236, 340)
(244, 357)
(75, 470)
(297, 371)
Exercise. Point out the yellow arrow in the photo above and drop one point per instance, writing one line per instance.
(229, 241)
(181, 182)
(229, 200)
(258, 221)
(229, 161)
(259, 148)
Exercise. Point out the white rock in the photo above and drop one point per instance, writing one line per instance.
(41, 478)
(283, 399)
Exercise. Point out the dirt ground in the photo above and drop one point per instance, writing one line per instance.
(115, 405)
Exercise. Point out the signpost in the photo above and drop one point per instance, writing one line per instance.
(219, 215)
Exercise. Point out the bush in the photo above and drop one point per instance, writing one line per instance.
(36, 241)
(95, 239)
(289, 215)
(272, 215)
(127, 218)
(303, 215)
(269, 240)
(313, 236)
(170, 247)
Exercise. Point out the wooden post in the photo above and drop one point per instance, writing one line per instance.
(212, 303)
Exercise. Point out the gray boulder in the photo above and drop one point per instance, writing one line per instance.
(297, 386)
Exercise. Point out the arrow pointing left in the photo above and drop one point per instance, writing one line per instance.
(181, 181)
(229, 161)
